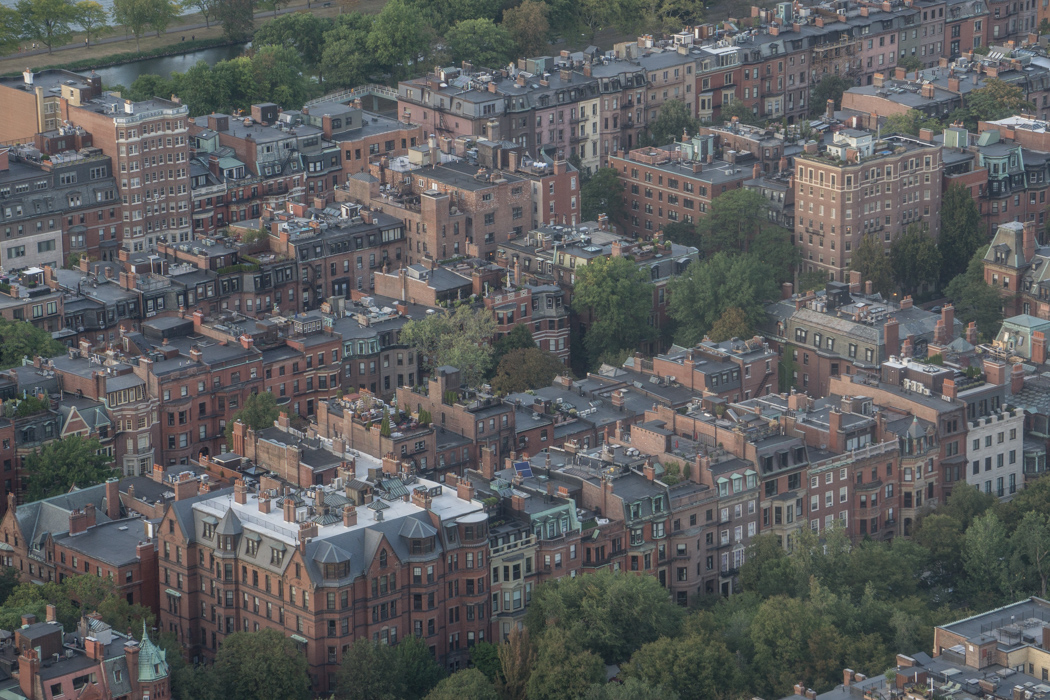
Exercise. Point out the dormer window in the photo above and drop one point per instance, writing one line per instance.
(276, 556)
(338, 570)
(423, 546)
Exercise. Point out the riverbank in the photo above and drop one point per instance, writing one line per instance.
(113, 47)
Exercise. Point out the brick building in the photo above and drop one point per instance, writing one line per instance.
(840, 195)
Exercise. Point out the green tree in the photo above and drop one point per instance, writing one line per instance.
(517, 657)
(781, 633)
(9, 580)
(263, 665)
(259, 411)
(278, 77)
(910, 64)
(564, 670)
(23, 341)
(91, 17)
(733, 323)
(416, 668)
(1031, 547)
(519, 338)
(10, 30)
(529, 27)
(830, 87)
(367, 672)
(975, 300)
(996, 99)
(815, 280)
(966, 503)
(915, 259)
(767, 570)
(1034, 496)
(985, 555)
(869, 258)
(60, 465)
(602, 194)
(485, 657)
(458, 338)
(960, 235)
(1044, 26)
(480, 41)
(609, 613)
(743, 113)
(738, 222)
(237, 18)
(206, 8)
(121, 615)
(274, 5)
(909, 123)
(134, 15)
(468, 683)
(302, 31)
(700, 297)
(617, 296)
(671, 122)
(161, 14)
(399, 38)
(47, 21)
(345, 60)
(697, 666)
(630, 689)
(682, 232)
(942, 536)
(526, 369)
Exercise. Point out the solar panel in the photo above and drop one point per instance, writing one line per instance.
(524, 469)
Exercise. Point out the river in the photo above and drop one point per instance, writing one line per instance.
(126, 73)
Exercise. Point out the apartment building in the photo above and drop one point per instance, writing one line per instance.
(843, 331)
(735, 370)
(674, 183)
(54, 206)
(539, 308)
(858, 186)
(284, 562)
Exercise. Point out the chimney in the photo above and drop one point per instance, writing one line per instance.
(1029, 241)
(948, 389)
(264, 505)
(834, 426)
(829, 109)
(878, 80)
(465, 490)
(349, 516)
(185, 487)
(906, 303)
(953, 84)
(854, 282)
(28, 670)
(926, 135)
(1038, 345)
(995, 372)
(131, 655)
(868, 287)
(81, 519)
(52, 613)
(94, 649)
(786, 290)
(928, 91)
(289, 510)
(900, 73)
(240, 492)
(948, 317)
(113, 498)
(811, 694)
(847, 676)
(1016, 379)
(891, 337)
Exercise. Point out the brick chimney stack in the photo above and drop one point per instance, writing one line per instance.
(891, 335)
(240, 492)
(1016, 379)
(113, 498)
(1038, 347)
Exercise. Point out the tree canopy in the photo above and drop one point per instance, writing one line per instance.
(259, 411)
(915, 259)
(531, 368)
(617, 296)
(869, 258)
(602, 193)
(371, 671)
(960, 235)
(704, 294)
(59, 465)
(975, 300)
(458, 338)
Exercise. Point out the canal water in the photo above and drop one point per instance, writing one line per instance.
(126, 73)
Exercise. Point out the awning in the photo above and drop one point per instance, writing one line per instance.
(298, 638)
(174, 593)
(750, 472)
(210, 519)
(253, 536)
(722, 480)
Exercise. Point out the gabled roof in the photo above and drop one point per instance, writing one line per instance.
(153, 661)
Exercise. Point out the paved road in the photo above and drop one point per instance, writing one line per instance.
(186, 29)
